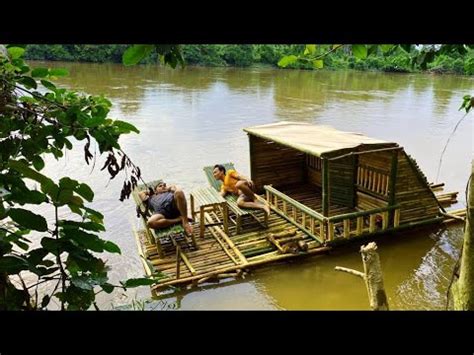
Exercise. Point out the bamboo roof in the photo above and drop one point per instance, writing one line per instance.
(318, 140)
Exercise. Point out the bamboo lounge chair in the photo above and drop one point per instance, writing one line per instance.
(232, 200)
(154, 236)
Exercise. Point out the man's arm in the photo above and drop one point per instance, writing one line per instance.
(172, 188)
(244, 178)
(143, 195)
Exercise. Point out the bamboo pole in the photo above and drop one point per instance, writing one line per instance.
(236, 267)
(227, 239)
(178, 260)
(325, 187)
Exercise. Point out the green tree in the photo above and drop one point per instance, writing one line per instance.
(34, 124)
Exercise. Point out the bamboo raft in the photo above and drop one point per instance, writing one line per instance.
(324, 186)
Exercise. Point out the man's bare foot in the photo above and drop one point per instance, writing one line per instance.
(267, 210)
(188, 228)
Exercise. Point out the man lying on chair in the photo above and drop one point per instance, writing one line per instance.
(168, 205)
(233, 182)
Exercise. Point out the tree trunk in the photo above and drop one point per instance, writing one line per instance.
(463, 288)
(373, 277)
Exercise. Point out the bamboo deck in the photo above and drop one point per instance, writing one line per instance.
(219, 256)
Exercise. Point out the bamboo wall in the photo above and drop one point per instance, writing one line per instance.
(341, 181)
(414, 196)
(272, 163)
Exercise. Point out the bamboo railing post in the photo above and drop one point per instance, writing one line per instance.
(393, 184)
(360, 225)
(347, 228)
(325, 187)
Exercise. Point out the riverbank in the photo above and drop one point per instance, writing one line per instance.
(257, 56)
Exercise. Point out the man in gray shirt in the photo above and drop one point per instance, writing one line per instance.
(168, 206)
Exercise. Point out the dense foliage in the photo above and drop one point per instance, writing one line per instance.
(397, 60)
(37, 120)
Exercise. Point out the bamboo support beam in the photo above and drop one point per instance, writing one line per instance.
(252, 263)
(229, 242)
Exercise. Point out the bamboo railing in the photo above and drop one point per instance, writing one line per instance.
(326, 229)
(373, 180)
(354, 224)
(295, 212)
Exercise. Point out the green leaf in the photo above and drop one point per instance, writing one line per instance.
(130, 283)
(29, 173)
(107, 288)
(58, 72)
(28, 82)
(359, 51)
(318, 64)
(125, 127)
(48, 85)
(111, 247)
(27, 196)
(86, 240)
(85, 191)
(38, 162)
(39, 72)
(406, 47)
(310, 49)
(27, 99)
(16, 52)
(45, 301)
(386, 47)
(68, 183)
(287, 60)
(136, 53)
(36, 255)
(13, 264)
(28, 219)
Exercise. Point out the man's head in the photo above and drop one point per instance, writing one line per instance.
(160, 187)
(218, 172)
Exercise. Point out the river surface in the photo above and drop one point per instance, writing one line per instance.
(193, 117)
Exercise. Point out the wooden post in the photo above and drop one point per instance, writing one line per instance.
(463, 288)
(325, 187)
(392, 183)
(373, 277)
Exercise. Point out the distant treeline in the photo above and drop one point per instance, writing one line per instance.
(254, 55)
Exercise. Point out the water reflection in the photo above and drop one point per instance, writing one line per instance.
(194, 117)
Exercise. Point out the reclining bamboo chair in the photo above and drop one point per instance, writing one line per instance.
(154, 236)
(232, 200)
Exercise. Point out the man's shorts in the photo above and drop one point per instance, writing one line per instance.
(168, 209)
(245, 198)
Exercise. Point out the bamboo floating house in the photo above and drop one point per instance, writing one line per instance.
(324, 186)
